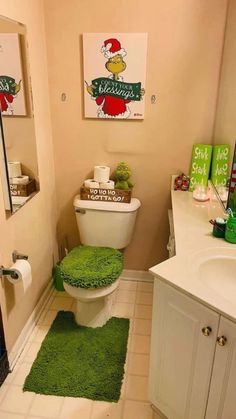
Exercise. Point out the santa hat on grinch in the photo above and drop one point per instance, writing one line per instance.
(112, 47)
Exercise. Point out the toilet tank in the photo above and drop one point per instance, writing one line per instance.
(106, 224)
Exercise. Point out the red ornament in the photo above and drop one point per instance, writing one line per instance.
(181, 183)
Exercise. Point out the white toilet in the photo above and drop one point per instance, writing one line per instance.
(101, 224)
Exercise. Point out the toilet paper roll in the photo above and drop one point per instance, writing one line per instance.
(101, 173)
(19, 180)
(23, 270)
(91, 183)
(14, 168)
(107, 185)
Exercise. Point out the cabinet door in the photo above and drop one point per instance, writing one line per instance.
(181, 356)
(222, 396)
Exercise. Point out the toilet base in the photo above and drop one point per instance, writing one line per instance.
(94, 313)
(93, 305)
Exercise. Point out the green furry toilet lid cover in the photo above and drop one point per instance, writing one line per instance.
(91, 266)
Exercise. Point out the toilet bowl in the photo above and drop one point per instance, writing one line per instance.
(101, 225)
(93, 305)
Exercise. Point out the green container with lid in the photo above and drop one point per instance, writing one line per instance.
(230, 229)
(219, 227)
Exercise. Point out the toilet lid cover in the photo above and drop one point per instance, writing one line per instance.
(91, 266)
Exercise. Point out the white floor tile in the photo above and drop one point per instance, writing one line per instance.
(40, 333)
(125, 296)
(140, 344)
(104, 410)
(136, 388)
(5, 415)
(61, 303)
(3, 389)
(17, 401)
(63, 294)
(32, 352)
(48, 318)
(128, 285)
(131, 326)
(142, 312)
(34, 417)
(46, 406)
(23, 354)
(144, 298)
(145, 286)
(142, 326)
(75, 408)
(123, 388)
(21, 374)
(123, 310)
(12, 374)
(136, 410)
(138, 364)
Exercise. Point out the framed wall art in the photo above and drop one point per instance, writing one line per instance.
(114, 75)
(12, 95)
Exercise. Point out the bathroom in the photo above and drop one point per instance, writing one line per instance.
(186, 40)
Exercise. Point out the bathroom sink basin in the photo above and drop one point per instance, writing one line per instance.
(216, 269)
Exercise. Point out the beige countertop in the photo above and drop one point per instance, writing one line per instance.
(194, 241)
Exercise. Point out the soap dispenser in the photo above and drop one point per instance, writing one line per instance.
(230, 229)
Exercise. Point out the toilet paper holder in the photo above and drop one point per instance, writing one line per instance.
(12, 272)
(16, 256)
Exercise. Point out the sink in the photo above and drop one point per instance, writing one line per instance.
(216, 269)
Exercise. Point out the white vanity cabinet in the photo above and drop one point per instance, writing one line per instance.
(191, 375)
(222, 396)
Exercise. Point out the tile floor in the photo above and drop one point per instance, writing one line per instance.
(134, 300)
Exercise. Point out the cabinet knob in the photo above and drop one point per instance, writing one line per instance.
(221, 340)
(206, 331)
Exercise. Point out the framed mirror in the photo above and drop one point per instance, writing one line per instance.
(225, 122)
(18, 152)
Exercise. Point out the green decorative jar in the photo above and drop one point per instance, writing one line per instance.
(219, 227)
(230, 229)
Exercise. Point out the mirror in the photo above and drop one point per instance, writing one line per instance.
(225, 121)
(18, 153)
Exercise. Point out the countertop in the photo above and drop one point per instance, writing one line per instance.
(193, 236)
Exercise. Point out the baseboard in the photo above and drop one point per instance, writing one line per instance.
(29, 326)
(132, 275)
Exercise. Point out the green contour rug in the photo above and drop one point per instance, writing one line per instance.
(78, 361)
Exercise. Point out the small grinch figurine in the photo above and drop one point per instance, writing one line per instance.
(122, 175)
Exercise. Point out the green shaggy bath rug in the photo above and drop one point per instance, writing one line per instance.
(91, 266)
(78, 361)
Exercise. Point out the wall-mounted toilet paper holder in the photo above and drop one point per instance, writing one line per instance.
(11, 272)
(16, 256)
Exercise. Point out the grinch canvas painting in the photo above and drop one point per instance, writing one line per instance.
(114, 75)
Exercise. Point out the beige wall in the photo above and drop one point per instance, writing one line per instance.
(32, 229)
(184, 52)
(225, 124)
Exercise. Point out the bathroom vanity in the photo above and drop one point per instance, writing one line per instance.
(193, 348)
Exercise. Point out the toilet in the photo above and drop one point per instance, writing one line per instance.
(101, 225)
